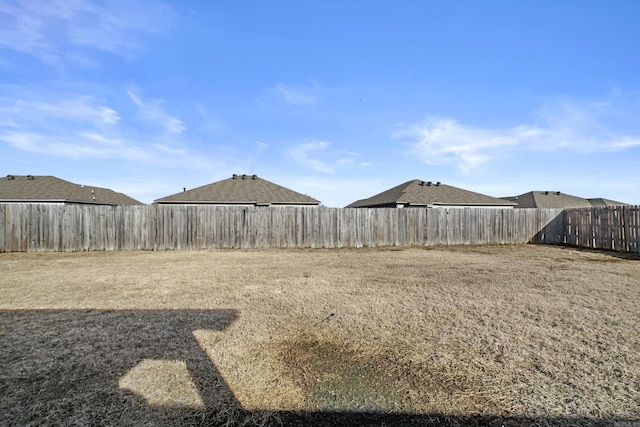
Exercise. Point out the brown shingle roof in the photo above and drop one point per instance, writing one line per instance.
(240, 190)
(556, 199)
(421, 193)
(49, 189)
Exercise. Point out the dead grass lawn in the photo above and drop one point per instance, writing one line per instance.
(503, 332)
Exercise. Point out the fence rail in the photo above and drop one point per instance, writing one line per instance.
(31, 227)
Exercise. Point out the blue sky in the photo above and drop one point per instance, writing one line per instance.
(335, 99)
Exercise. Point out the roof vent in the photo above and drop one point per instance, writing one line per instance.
(234, 176)
(184, 189)
(546, 192)
(438, 184)
(428, 182)
(254, 177)
(10, 177)
(31, 177)
(558, 193)
(244, 176)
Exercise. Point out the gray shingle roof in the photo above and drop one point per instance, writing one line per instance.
(241, 190)
(606, 202)
(549, 199)
(421, 193)
(49, 189)
(557, 199)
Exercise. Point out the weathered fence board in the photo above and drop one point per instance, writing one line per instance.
(31, 227)
(3, 225)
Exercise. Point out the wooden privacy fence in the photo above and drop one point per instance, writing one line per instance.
(29, 227)
(611, 227)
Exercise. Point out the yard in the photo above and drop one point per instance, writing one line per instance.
(516, 334)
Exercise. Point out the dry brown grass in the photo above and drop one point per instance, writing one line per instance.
(544, 334)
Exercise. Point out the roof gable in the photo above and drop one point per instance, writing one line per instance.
(240, 189)
(421, 193)
(49, 189)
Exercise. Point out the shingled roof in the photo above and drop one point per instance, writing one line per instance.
(605, 202)
(557, 199)
(421, 193)
(240, 190)
(49, 189)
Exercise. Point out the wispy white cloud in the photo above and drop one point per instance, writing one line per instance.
(561, 125)
(607, 124)
(74, 146)
(302, 154)
(153, 112)
(86, 145)
(209, 123)
(100, 139)
(58, 31)
(83, 127)
(311, 153)
(261, 146)
(444, 140)
(7, 123)
(82, 108)
(298, 96)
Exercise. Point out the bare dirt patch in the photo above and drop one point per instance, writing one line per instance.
(505, 333)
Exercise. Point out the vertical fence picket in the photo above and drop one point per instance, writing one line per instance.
(3, 228)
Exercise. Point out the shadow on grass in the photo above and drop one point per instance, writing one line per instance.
(66, 367)
(629, 256)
